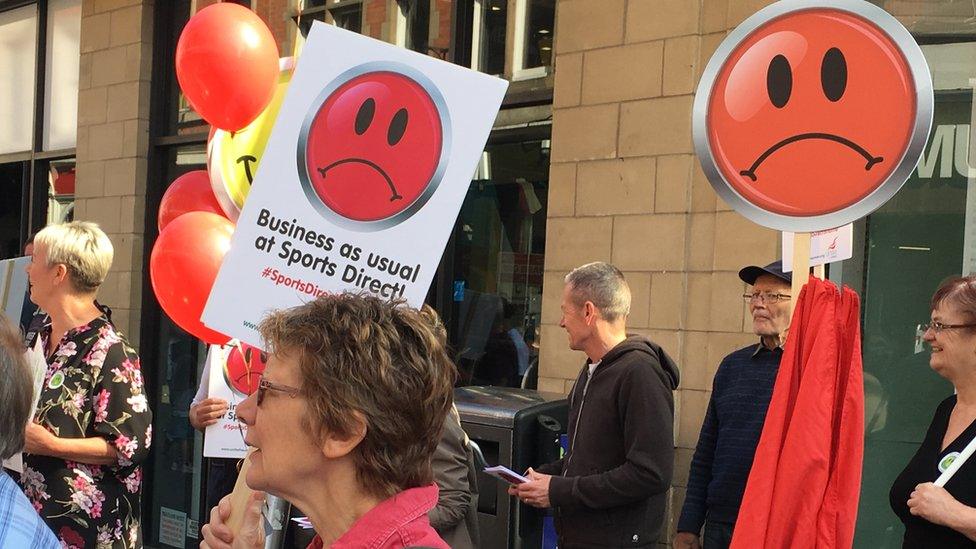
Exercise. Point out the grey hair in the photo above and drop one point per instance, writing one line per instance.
(603, 285)
(82, 247)
(16, 391)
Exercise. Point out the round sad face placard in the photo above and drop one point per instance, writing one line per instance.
(374, 146)
(812, 114)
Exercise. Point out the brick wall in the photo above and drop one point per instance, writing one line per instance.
(113, 140)
(625, 187)
(277, 15)
(375, 23)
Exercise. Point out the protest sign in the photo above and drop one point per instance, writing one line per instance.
(361, 181)
(235, 371)
(14, 290)
(37, 366)
(828, 246)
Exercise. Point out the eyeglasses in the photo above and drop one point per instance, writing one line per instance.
(937, 327)
(264, 386)
(766, 297)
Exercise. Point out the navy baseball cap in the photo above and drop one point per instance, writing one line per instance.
(752, 272)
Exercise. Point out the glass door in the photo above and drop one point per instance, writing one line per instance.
(914, 242)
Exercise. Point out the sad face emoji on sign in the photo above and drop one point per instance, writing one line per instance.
(374, 148)
(814, 109)
(243, 368)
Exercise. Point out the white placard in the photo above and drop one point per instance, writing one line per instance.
(224, 439)
(13, 287)
(825, 246)
(37, 365)
(361, 181)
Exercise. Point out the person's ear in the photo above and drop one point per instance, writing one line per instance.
(60, 273)
(589, 312)
(336, 446)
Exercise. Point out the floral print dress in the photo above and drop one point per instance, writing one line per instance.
(93, 388)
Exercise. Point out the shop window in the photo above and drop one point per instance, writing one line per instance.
(489, 25)
(346, 14)
(38, 110)
(417, 16)
(424, 26)
(497, 266)
(941, 18)
(61, 82)
(534, 25)
(18, 57)
(177, 462)
(923, 235)
(61, 191)
(13, 180)
(515, 43)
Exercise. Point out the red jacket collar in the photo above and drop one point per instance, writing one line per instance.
(400, 521)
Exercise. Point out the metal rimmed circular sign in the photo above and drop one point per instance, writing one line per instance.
(811, 115)
(374, 146)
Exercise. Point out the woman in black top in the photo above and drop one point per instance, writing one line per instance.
(936, 516)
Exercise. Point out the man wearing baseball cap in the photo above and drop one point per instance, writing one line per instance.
(741, 391)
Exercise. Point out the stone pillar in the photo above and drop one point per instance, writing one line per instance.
(113, 142)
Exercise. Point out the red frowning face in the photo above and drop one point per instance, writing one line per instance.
(812, 112)
(244, 367)
(374, 147)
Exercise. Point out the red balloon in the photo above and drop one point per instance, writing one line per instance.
(227, 65)
(191, 192)
(183, 266)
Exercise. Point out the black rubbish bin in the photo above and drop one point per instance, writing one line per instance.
(517, 428)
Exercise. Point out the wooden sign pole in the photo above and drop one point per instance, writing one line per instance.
(801, 266)
(240, 497)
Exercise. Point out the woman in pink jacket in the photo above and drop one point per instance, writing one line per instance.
(344, 423)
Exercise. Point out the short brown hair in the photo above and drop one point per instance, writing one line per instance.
(16, 391)
(959, 291)
(381, 359)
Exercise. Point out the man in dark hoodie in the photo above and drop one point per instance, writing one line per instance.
(611, 488)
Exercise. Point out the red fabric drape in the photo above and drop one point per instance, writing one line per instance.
(806, 477)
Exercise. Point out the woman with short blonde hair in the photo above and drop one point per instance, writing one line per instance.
(83, 248)
(93, 426)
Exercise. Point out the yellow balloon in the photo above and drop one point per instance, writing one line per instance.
(233, 157)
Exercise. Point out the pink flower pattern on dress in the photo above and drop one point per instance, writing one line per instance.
(101, 405)
(134, 481)
(86, 495)
(102, 395)
(67, 350)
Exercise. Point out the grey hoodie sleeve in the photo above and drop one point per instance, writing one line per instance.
(646, 405)
(450, 465)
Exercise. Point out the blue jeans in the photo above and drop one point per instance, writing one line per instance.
(717, 535)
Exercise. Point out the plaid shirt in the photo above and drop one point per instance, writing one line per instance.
(20, 525)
